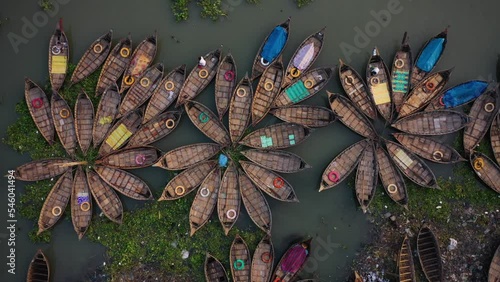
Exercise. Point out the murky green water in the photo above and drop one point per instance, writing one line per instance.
(331, 217)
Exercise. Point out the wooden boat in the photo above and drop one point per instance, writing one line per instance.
(494, 271)
(400, 75)
(140, 92)
(81, 203)
(239, 109)
(84, 119)
(93, 58)
(58, 57)
(271, 48)
(391, 178)
(350, 116)
(423, 93)
(379, 84)
(140, 60)
(39, 107)
(263, 260)
(186, 181)
(64, 123)
(429, 149)
(155, 129)
(406, 268)
(115, 65)
(428, 57)
(486, 169)
(131, 158)
(429, 254)
(239, 259)
(342, 165)
(205, 200)
(166, 93)
(107, 200)
(411, 165)
(187, 156)
(107, 110)
(229, 199)
(366, 177)
(305, 87)
(39, 269)
(304, 57)
(121, 132)
(280, 161)
(306, 115)
(271, 183)
(225, 82)
(56, 202)
(438, 122)
(199, 78)
(458, 95)
(214, 270)
(356, 90)
(42, 169)
(124, 182)
(357, 277)
(255, 203)
(267, 89)
(275, 136)
(495, 137)
(292, 262)
(482, 113)
(207, 122)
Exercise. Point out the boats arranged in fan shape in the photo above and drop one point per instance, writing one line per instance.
(240, 259)
(292, 262)
(84, 119)
(42, 169)
(107, 110)
(486, 169)
(400, 74)
(276, 136)
(255, 203)
(429, 149)
(125, 182)
(56, 202)
(225, 82)
(140, 60)
(207, 122)
(64, 123)
(40, 110)
(131, 158)
(205, 201)
(121, 132)
(114, 66)
(459, 95)
(263, 260)
(240, 109)
(429, 254)
(229, 199)
(379, 84)
(81, 203)
(39, 269)
(58, 57)
(350, 116)
(391, 178)
(268, 88)
(187, 156)
(428, 57)
(276, 160)
(366, 177)
(437, 122)
(155, 129)
(214, 270)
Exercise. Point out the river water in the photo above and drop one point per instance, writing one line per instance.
(353, 28)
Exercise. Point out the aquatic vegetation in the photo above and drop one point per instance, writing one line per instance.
(180, 9)
(211, 9)
(302, 3)
(46, 5)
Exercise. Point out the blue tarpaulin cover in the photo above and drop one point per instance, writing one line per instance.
(431, 54)
(463, 93)
(274, 44)
(223, 160)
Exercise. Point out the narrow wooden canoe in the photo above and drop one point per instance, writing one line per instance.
(400, 75)
(366, 177)
(350, 116)
(306, 115)
(267, 89)
(205, 200)
(276, 136)
(199, 78)
(255, 203)
(124, 182)
(207, 122)
(187, 156)
(280, 161)
(214, 270)
(458, 95)
(486, 169)
(93, 58)
(42, 169)
(423, 93)
(240, 259)
(56, 202)
(292, 262)
(406, 268)
(81, 203)
(84, 119)
(429, 254)
(140, 60)
(438, 122)
(263, 260)
(115, 65)
(155, 129)
(495, 137)
(64, 123)
(225, 82)
(428, 57)
(141, 91)
(411, 165)
(121, 132)
(271, 48)
(304, 57)
(39, 269)
(187, 181)
(239, 109)
(39, 107)
(305, 87)
(356, 90)
(229, 199)
(107, 110)
(166, 93)
(494, 272)
(429, 149)
(379, 84)
(391, 178)
(131, 158)
(271, 183)
(342, 165)
(107, 200)
(58, 57)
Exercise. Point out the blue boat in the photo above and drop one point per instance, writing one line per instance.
(458, 95)
(428, 57)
